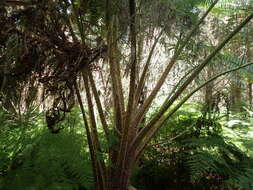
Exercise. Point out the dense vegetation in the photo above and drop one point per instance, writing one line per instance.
(118, 95)
(192, 152)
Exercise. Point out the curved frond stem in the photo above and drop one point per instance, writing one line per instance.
(178, 84)
(94, 130)
(145, 69)
(160, 123)
(177, 53)
(128, 130)
(78, 21)
(150, 126)
(99, 105)
(92, 149)
(117, 90)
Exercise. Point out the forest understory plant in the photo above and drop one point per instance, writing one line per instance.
(57, 57)
(194, 148)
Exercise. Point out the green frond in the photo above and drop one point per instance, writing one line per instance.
(35, 158)
(242, 181)
(203, 163)
(213, 155)
(231, 7)
(228, 62)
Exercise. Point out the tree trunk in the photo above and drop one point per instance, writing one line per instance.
(236, 96)
(208, 92)
(250, 93)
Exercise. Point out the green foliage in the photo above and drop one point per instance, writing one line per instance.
(230, 7)
(33, 158)
(239, 128)
(200, 151)
(229, 61)
(214, 158)
(15, 134)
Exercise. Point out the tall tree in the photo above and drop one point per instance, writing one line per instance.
(61, 41)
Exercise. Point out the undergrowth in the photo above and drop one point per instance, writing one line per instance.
(33, 158)
(195, 152)
(191, 152)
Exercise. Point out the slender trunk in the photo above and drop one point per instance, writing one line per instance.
(250, 93)
(249, 57)
(90, 143)
(208, 92)
(94, 132)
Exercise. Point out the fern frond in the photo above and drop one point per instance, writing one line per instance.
(242, 181)
(228, 62)
(213, 155)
